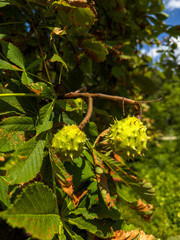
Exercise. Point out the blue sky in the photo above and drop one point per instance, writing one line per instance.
(172, 8)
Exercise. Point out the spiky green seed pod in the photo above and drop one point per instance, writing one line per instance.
(127, 137)
(69, 142)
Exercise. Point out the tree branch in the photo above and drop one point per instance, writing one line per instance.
(88, 115)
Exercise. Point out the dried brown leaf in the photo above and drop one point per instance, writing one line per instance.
(143, 236)
(143, 207)
(124, 235)
(130, 235)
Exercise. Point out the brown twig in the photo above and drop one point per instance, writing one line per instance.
(42, 55)
(123, 107)
(90, 96)
(151, 101)
(103, 96)
(88, 115)
(83, 89)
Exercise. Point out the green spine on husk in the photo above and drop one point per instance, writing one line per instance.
(127, 137)
(69, 142)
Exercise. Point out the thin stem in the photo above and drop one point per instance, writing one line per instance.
(151, 101)
(56, 51)
(60, 74)
(43, 80)
(9, 23)
(18, 95)
(88, 115)
(45, 66)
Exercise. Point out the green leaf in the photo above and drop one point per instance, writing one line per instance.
(161, 16)
(67, 120)
(7, 66)
(116, 72)
(85, 213)
(9, 104)
(66, 105)
(41, 89)
(9, 141)
(26, 80)
(91, 129)
(13, 54)
(57, 58)
(72, 234)
(3, 3)
(28, 161)
(94, 49)
(18, 123)
(34, 64)
(63, 3)
(82, 17)
(141, 187)
(101, 228)
(4, 192)
(146, 83)
(60, 171)
(62, 236)
(85, 63)
(175, 30)
(45, 118)
(35, 210)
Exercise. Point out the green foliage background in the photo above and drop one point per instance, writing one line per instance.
(50, 48)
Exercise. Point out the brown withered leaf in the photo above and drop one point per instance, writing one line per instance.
(124, 235)
(36, 91)
(130, 235)
(83, 4)
(143, 207)
(118, 158)
(58, 31)
(68, 188)
(143, 236)
(2, 159)
(77, 3)
(68, 185)
(102, 181)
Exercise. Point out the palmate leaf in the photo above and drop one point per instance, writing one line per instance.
(35, 210)
(28, 161)
(18, 123)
